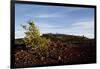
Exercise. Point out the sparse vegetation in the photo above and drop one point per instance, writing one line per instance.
(33, 40)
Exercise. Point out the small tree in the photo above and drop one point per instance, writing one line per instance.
(33, 40)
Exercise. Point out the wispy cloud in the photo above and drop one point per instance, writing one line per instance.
(83, 25)
(46, 25)
(85, 28)
(45, 15)
(55, 19)
(48, 16)
(80, 28)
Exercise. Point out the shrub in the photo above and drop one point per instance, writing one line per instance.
(32, 39)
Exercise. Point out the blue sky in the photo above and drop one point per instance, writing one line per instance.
(55, 19)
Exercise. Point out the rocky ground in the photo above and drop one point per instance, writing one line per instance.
(58, 53)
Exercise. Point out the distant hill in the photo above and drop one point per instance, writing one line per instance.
(19, 41)
(62, 38)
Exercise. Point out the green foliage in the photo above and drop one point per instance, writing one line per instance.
(33, 40)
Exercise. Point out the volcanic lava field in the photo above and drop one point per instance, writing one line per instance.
(63, 50)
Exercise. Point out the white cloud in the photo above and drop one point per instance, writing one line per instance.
(83, 28)
(48, 15)
(80, 28)
(46, 25)
(83, 25)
